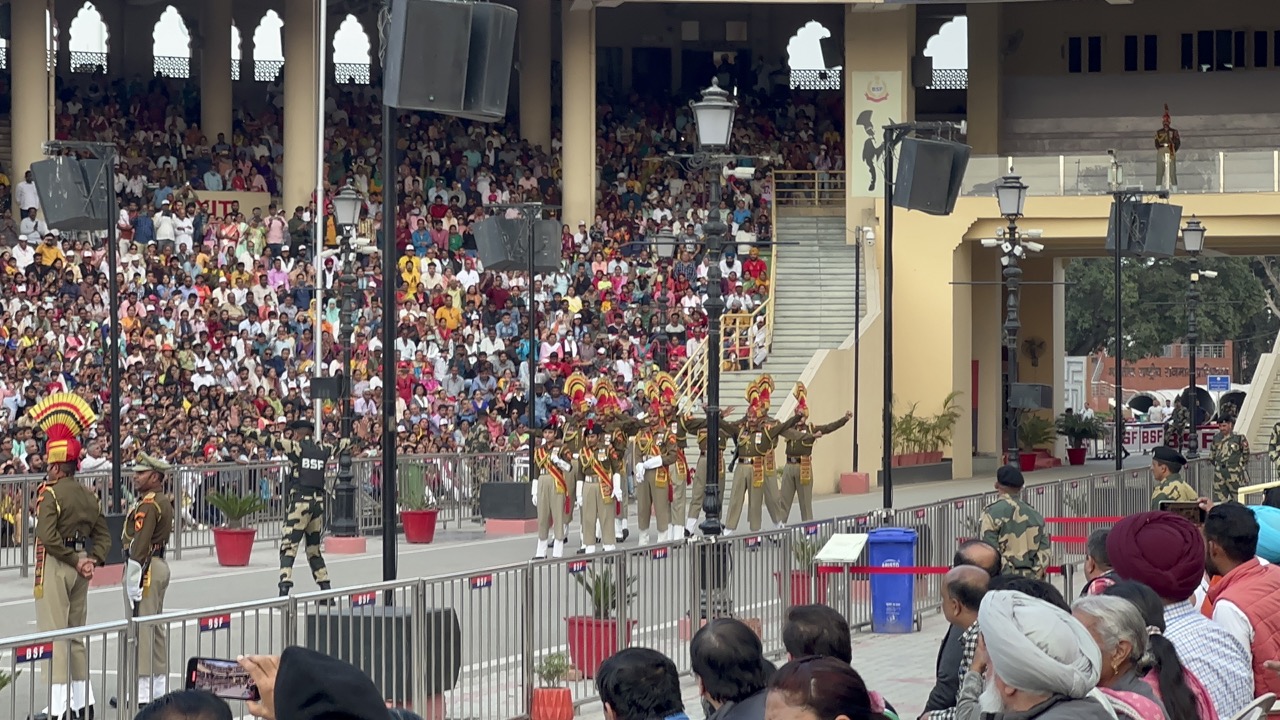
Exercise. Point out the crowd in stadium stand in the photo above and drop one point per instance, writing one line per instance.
(219, 310)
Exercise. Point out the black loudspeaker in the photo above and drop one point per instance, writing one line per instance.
(1149, 229)
(502, 247)
(96, 176)
(64, 197)
(1030, 396)
(327, 388)
(929, 175)
(506, 501)
(379, 641)
(464, 71)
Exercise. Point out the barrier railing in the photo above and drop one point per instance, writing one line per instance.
(1199, 172)
(454, 480)
(737, 348)
(808, 188)
(467, 644)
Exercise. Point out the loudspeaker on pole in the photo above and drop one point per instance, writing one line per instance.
(1151, 230)
(73, 193)
(502, 246)
(930, 174)
(465, 68)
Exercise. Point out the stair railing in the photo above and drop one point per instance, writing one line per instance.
(808, 188)
(691, 378)
(736, 348)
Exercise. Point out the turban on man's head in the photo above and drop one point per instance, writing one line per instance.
(1163, 550)
(1037, 647)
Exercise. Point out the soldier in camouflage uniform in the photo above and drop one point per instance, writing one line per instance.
(1273, 447)
(1176, 427)
(1015, 528)
(478, 441)
(1229, 453)
(1166, 469)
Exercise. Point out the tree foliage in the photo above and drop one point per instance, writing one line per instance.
(1236, 305)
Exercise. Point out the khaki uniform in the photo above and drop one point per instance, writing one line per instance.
(600, 463)
(147, 530)
(681, 477)
(552, 490)
(655, 488)
(797, 476)
(69, 526)
(698, 487)
(620, 429)
(751, 478)
(571, 444)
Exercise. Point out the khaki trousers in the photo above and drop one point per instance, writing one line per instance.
(679, 493)
(652, 500)
(597, 509)
(789, 488)
(698, 490)
(571, 478)
(550, 509)
(765, 495)
(153, 640)
(64, 605)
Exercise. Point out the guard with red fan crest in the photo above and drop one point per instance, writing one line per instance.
(756, 439)
(71, 541)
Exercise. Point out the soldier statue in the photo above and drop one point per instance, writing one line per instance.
(1229, 453)
(1166, 471)
(1168, 142)
(1015, 528)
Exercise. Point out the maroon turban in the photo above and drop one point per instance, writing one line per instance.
(1162, 550)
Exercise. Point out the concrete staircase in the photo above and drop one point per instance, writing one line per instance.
(814, 288)
(1260, 410)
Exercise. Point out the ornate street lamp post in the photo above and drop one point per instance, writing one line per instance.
(1193, 242)
(346, 211)
(1011, 195)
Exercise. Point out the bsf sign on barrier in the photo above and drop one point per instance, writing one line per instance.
(215, 622)
(479, 582)
(32, 653)
(578, 566)
(364, 599)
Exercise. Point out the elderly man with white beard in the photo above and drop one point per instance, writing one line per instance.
(1033, 661)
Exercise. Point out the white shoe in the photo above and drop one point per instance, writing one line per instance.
(647, 537)
(726, 531)
(59, 700)
(557, 549)
(146, 687)
(610, 548)
(81, 695)
(591, 549)
(159, 686)
(691, 525)
(541, 552)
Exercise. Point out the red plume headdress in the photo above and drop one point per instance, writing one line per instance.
(64, 417)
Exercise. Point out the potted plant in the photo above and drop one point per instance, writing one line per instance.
(551, 699)
(907, 430)
(233, 542)
(418, 510)
(1077, 429)
(594, 638)
(1034, 432)
(938, 429)
(804, 551)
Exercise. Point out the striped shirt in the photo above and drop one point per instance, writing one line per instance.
(1213, 655)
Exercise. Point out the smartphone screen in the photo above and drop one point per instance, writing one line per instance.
(1189, 510)
(224, 678)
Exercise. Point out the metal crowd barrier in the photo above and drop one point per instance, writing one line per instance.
(455, 482)
(468, 645)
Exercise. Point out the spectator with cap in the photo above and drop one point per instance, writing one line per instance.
(1247, 600)
(1097, 564)
(1167, 552)
(1166, 474)
(1015, 528)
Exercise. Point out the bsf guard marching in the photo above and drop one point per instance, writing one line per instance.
(1229, 453)
(599, 490)
(756, 438)
(574, 441)
(306, 495)
(1014, 528)
(1166, 469)
(797, 476)
(71, 541)
(146, 535)
(698, 487)
(619, 428)
(550, 492)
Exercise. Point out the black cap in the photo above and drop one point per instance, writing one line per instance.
(1169, 456)
(1010, 477)
(302, 425)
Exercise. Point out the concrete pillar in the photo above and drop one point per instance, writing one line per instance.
(215, 70)
(988, 318)
(962, 358)
(878, 47)
(535, 72)
(985, 96)
(1043, 324)
(300, 76)
(28, 64)
(579, 106)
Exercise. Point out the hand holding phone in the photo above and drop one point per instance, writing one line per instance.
(224, 678)
(1192, 511)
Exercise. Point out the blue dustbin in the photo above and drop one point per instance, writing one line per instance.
(892, 606)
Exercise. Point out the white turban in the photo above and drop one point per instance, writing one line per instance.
(1037, 647)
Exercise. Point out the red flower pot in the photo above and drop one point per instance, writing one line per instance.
(1075, 456)
(553, 703)
(233, 545)
(1027, 460)
(800, 584)
(419, 525)
(592, 640)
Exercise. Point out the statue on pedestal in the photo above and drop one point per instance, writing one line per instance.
(1168, 142)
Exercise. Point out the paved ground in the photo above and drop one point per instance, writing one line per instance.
(517, 605)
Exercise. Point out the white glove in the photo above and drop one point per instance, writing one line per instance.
(133, 581)
(534, 492)
(639, 468)
(653, 463)
(617, 487)
(561, 463)
(577, 498)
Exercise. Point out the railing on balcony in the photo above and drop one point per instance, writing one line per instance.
(691, 378)
(89, 63)
(1199, 172)
(809, 188)
(171, 66)
(949, 79)
(267, 70)
(4, 58)
(739, 344)
(828, 79)
(351, 73)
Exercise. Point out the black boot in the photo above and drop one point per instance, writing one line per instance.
(327, 601)
(285, 587)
